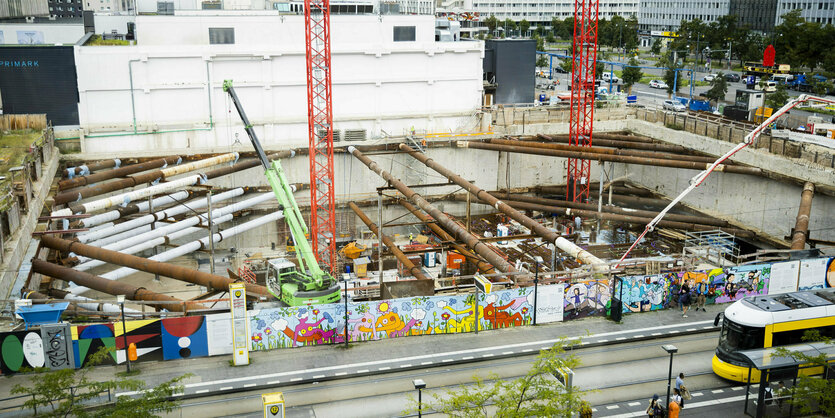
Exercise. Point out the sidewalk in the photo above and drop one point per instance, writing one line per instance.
(273, 368)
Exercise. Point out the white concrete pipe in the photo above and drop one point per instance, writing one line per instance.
(95, 306)
(197, 165)
(188, 248)
(145, 245)
(143, 206)
(125, 198)
(158, 216)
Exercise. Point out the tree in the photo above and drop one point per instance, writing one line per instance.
(509, 25)
(718, 88)
(656, 46)
(821, 88)
(492, 23)
(70, 392)
(535, 394)
(777, 99)
(598, 70)
(670, 73)
(812, 391)
(631, 74)
(524, 25)
(550, 38)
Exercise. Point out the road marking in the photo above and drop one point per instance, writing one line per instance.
(405, 365)
(427, 356)
(707, 327)
(602, 341)
(736, 388)
(362, 371)
(201, 391)
(249, 385)
(634, 403)
(639, 336)
(673, 331)
(486, 355)
(295, 379)
(384, 368)
(446, 360)
(507, 352)
(340, 374)
(612, 407)
(656, 333)
(620, 338)
(425, 363)
(319, 376)
(717, 391)
(226, 388)
(690, 406)
(273, 382)
(467, 358)
(697, 394)
(691, 329)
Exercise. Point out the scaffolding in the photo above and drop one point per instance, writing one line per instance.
(717, 247)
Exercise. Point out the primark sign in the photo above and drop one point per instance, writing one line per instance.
(19, 63)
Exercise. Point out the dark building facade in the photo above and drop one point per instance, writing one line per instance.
(65, 8)
(509, 67)
(40, 79)
(759, 15)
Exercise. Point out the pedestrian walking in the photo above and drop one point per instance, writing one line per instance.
(654, 409)
(683, 391)
(684, 298)
(677, 398)
(674, 409)
(701, 296)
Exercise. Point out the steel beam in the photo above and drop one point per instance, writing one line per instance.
(801, 226)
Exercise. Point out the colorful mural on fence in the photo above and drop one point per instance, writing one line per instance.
(198, 336)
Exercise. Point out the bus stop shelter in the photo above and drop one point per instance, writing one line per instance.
(774, 367)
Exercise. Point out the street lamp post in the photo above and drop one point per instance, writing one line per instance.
(537, 259)
(121, 300)
(672, 350)
(419, 385)
(345, 283)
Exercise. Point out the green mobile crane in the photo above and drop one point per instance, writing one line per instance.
(294, 286)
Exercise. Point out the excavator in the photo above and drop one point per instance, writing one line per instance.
(304, 282)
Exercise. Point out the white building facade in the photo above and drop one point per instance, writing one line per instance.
(666, 15)
(541, 12)
(388, 73)
(819, 11)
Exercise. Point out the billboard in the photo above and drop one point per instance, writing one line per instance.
(40, 79)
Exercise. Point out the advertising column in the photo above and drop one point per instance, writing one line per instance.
(240, 324)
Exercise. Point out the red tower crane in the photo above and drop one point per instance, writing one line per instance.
(320, 124)
(581, 121)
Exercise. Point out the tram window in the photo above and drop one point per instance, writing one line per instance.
(740, 337)
(787, 337)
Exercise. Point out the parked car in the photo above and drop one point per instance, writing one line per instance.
(610, 77)
(766, 86)
(710, 77)
(674, 105)
(732, 77)
(559, 70)
(658, 84)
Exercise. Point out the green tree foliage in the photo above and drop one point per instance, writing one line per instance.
(656, 46)
(492, 23)
(631, 75)
(509, 26)
(618, 32)
(718, 88)
(821, 88)
(550, 38)
(598, 70)
(801, 43)
(70, 392)
(667, 62)
(777, 99)
(812, 391)
(524, 25)
(535, 394)
(563, 29)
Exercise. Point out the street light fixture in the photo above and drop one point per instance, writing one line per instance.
(121, 300)
(419, 385)
(672, 350)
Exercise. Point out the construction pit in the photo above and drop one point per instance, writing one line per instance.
(493, 204)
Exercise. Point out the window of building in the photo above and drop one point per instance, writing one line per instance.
(404, 34)
(221, 36)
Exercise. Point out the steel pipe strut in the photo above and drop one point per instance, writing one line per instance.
(599, 150)
(111, 287)
(132, 209)
(119, 172)
(85, 169)
(615, 158)
(415, 270)
(460, 233)
(801, 226)
(164, 269)
(535, 227)
(483, 267)
(84, 303)
(622, 144)
(87, 264)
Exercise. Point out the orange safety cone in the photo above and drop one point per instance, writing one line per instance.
(132, 352)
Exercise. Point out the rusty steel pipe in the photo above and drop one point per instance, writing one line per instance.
(801, 226)
(614, 158)
(701, 220)
(622, 144)
(483, 267)
(460, 233)
(118, 172)
(86, 168)
(598, 150)
(618, 218)
(615, 136)
(143, 264)
(111, 287)
(535, 227)
(415, 270)
(560, 190)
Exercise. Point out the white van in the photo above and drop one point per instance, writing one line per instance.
(782, 78)
(766, 86)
